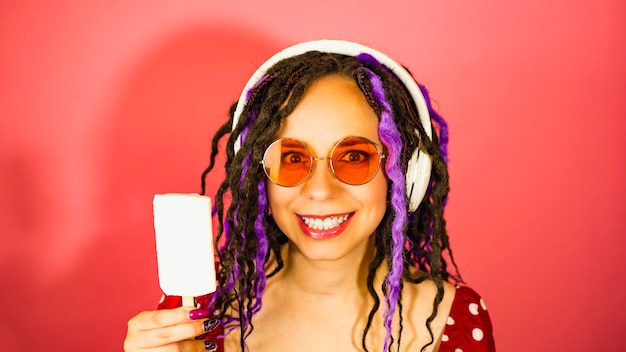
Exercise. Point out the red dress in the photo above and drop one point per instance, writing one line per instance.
(468, 328)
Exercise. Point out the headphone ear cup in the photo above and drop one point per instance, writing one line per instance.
(417, 177)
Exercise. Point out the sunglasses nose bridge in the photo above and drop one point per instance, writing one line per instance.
(314, 161)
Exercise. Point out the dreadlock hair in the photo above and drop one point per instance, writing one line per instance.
(403, 240)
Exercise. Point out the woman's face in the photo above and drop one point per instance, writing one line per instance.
(331, 109)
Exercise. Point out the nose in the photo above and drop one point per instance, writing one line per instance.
(321, 183)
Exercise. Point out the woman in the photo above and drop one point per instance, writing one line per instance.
(332, 213)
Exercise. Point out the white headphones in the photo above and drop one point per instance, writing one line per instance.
(419, 166)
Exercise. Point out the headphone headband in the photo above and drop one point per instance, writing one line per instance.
(418, 172)
(341, 47)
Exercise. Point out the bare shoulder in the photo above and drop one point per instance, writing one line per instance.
(425, 292)
(419, 303)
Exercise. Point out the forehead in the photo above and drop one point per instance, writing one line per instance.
(333, 107)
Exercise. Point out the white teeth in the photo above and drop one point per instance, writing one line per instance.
(324, 224)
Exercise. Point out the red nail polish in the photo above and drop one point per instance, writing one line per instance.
(198, 314)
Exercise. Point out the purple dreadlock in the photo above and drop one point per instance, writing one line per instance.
(390, 137)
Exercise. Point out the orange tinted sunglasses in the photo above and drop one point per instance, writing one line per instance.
(353, 160)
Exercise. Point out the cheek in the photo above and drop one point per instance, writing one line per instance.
(381, 190)
(377, 195)
(271, 197)
(278, 198)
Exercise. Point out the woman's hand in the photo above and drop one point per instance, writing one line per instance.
(169, 330)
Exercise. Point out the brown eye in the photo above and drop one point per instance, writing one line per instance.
(292, 158)
(354, 156)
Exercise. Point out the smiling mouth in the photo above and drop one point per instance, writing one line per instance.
(324, 227)
(324, 223)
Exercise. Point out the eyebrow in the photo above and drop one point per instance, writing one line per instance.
(292, 143)
(346, 142)
(349, 143)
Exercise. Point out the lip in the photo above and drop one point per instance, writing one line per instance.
(323, 234)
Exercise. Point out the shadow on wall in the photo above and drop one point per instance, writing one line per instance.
(158, 141)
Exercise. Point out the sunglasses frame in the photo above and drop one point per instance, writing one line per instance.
(313, 159)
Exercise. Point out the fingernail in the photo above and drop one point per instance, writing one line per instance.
(210, 345)
(199, 313)
(211, 324)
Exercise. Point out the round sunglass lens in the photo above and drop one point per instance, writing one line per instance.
(355, 160)
(287, 162)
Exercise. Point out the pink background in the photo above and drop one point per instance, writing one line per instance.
(104, 104)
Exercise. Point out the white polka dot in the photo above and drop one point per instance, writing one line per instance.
(473, 308)
(458, 350)
(450, 321)
(477, 334)
(444, 338)
(482, 304)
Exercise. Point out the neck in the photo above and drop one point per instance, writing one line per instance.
(345, 277)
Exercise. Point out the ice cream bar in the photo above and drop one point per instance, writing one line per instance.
(184, 244)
